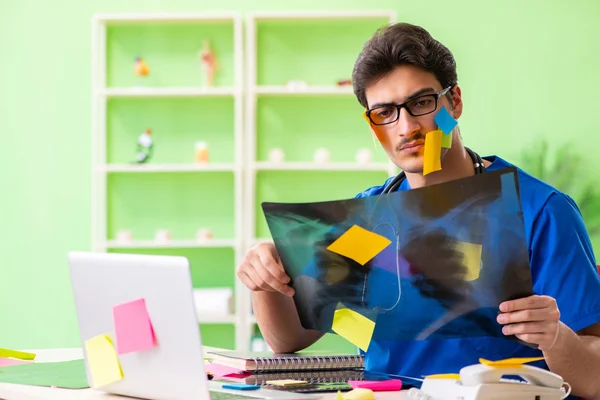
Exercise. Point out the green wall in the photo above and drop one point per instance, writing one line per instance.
(527, 70)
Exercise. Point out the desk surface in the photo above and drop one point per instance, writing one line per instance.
(24, 392)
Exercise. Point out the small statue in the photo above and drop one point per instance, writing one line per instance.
(210, 62)
(144, 146)
(141, 68)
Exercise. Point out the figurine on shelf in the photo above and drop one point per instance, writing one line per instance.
(201, 153)
(209, 62)
(144, 146)
(344, 82)
(141, 68)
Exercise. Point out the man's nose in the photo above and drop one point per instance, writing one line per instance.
(407, 124)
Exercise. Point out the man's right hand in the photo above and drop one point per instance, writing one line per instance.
(261, 270)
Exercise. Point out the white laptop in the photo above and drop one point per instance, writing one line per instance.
(174, 369)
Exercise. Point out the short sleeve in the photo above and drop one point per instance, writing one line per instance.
(563, 264)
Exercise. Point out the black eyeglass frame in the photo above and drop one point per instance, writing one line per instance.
(399, 107)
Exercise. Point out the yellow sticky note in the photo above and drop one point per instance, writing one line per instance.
(20, 355)
(510, 362)
(286, 382)
(472, 258)
(447, 140)
(444, 376)
(433, 152)
(103, 361)
(359, 244)
(354, 327)
(358, 394)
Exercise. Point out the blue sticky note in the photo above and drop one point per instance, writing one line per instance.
(240, 386)
(445, 121)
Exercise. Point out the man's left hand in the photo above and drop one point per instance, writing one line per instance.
(534, 319)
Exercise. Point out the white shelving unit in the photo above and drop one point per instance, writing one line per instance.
(100, 97)
(254, 91)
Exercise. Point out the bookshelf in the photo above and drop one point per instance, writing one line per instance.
(296, 104)
(171, 191)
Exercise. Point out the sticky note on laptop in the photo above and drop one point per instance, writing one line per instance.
(104, 364)
(133, 328)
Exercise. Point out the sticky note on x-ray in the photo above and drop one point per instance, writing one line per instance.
(433, 152)
(471, 258)
(354, 327)
(133, 328)
(103, 361)
(359, 244)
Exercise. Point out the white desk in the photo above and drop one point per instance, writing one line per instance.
(11, 391)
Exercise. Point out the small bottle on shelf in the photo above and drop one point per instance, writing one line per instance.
(201, 153)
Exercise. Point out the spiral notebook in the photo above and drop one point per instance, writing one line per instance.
(311, 377)
(269, 362)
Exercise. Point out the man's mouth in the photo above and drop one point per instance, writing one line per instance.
(411, 147)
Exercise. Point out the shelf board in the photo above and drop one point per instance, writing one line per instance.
(312, 166)
(303, 91)
(147, 244)
(118, 18)
(320, 15)
(216, 319)
(137, 168)
(167, 92)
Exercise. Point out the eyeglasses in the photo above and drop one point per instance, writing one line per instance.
(389, 113)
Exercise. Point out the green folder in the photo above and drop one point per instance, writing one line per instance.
(65, 374)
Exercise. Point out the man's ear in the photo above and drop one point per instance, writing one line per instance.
(457, 103)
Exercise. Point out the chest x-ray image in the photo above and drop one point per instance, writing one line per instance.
(424, 264)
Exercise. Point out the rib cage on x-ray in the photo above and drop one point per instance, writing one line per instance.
(421, 265)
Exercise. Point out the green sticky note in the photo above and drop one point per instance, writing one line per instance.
(65, 374)
(447, 140)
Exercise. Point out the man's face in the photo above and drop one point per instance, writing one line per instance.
(404, 140)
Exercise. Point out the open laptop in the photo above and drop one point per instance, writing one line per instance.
(174, 369)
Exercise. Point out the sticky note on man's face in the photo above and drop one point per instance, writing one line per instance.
(433, 152)
(103, 361)
(133, 329)
(354, 327)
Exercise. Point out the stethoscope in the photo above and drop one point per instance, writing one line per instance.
(391, 187)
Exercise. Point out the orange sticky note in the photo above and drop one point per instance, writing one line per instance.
(471, 258)
(433, 152)
(447, 140)
(510, 362)
(133, 328)
(354, 327)
(359, 244)
(103, 361)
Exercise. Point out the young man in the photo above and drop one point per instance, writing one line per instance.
(402, 78)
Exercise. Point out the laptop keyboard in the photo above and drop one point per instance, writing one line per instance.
(214, 395)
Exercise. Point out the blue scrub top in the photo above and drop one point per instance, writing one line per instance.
(562, 266)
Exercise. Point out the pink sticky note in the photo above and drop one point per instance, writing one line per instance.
(378, 386)
(219, 371)
(133, 328)
(7, 362)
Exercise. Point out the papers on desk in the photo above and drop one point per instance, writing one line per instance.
(66, 374)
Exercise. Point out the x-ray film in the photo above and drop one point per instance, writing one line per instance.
(424, 264)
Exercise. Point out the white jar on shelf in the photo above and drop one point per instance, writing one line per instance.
(321, 155)
(162, 236)
(124, 236)
(204, 234)
(363, 156)
(276, 155)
